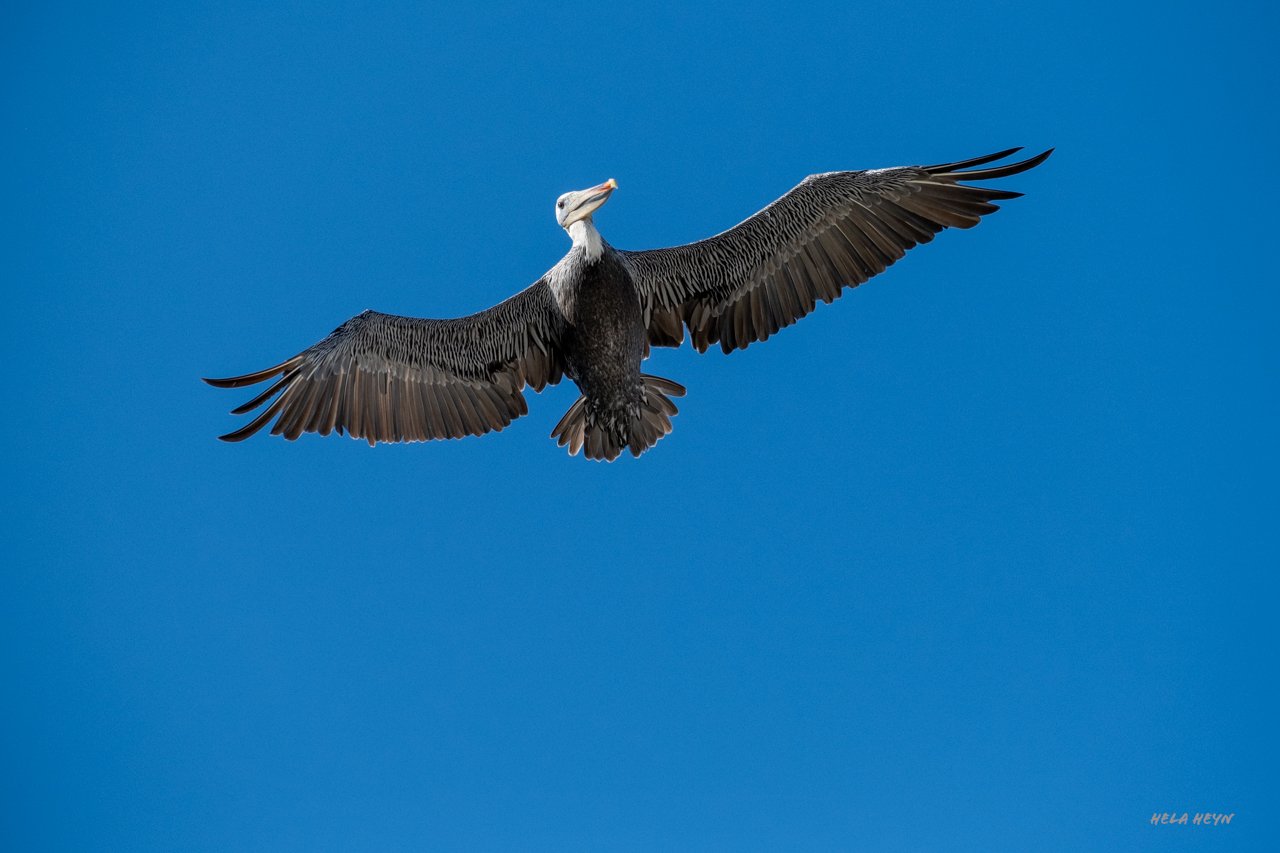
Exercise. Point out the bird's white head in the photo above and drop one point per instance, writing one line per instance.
(573, 212)
(576, 206)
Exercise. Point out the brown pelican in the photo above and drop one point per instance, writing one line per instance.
(595, 314)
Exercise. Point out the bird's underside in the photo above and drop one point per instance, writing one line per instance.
(594, 316)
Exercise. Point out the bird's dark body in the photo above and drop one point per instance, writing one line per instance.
(603, 342)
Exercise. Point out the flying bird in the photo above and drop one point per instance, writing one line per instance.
(596, 313)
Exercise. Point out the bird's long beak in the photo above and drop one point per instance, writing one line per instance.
(595, 197)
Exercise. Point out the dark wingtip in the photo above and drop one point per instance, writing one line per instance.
(241, 381)
(255, 378)
(238, 435)
(1000, 171)
(1038, 159)
(976, 161)
(258, 423)
(265, 395)
(245, 432)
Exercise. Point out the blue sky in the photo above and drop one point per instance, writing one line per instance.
(980, 557)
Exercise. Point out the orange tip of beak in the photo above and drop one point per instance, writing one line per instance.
(611, 184)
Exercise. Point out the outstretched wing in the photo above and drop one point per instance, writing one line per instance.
(386, 378)
(831, 232)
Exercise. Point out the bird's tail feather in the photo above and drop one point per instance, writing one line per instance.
(601, 442)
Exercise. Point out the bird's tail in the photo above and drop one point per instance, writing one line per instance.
(580, 429)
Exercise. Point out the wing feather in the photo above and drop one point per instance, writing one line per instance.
(831, 232)
(386, 378)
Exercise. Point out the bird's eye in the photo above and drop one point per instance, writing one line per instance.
(560, 204)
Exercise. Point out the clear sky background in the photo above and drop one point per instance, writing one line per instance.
(982, 556)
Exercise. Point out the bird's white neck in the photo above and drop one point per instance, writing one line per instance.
(584, 234)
